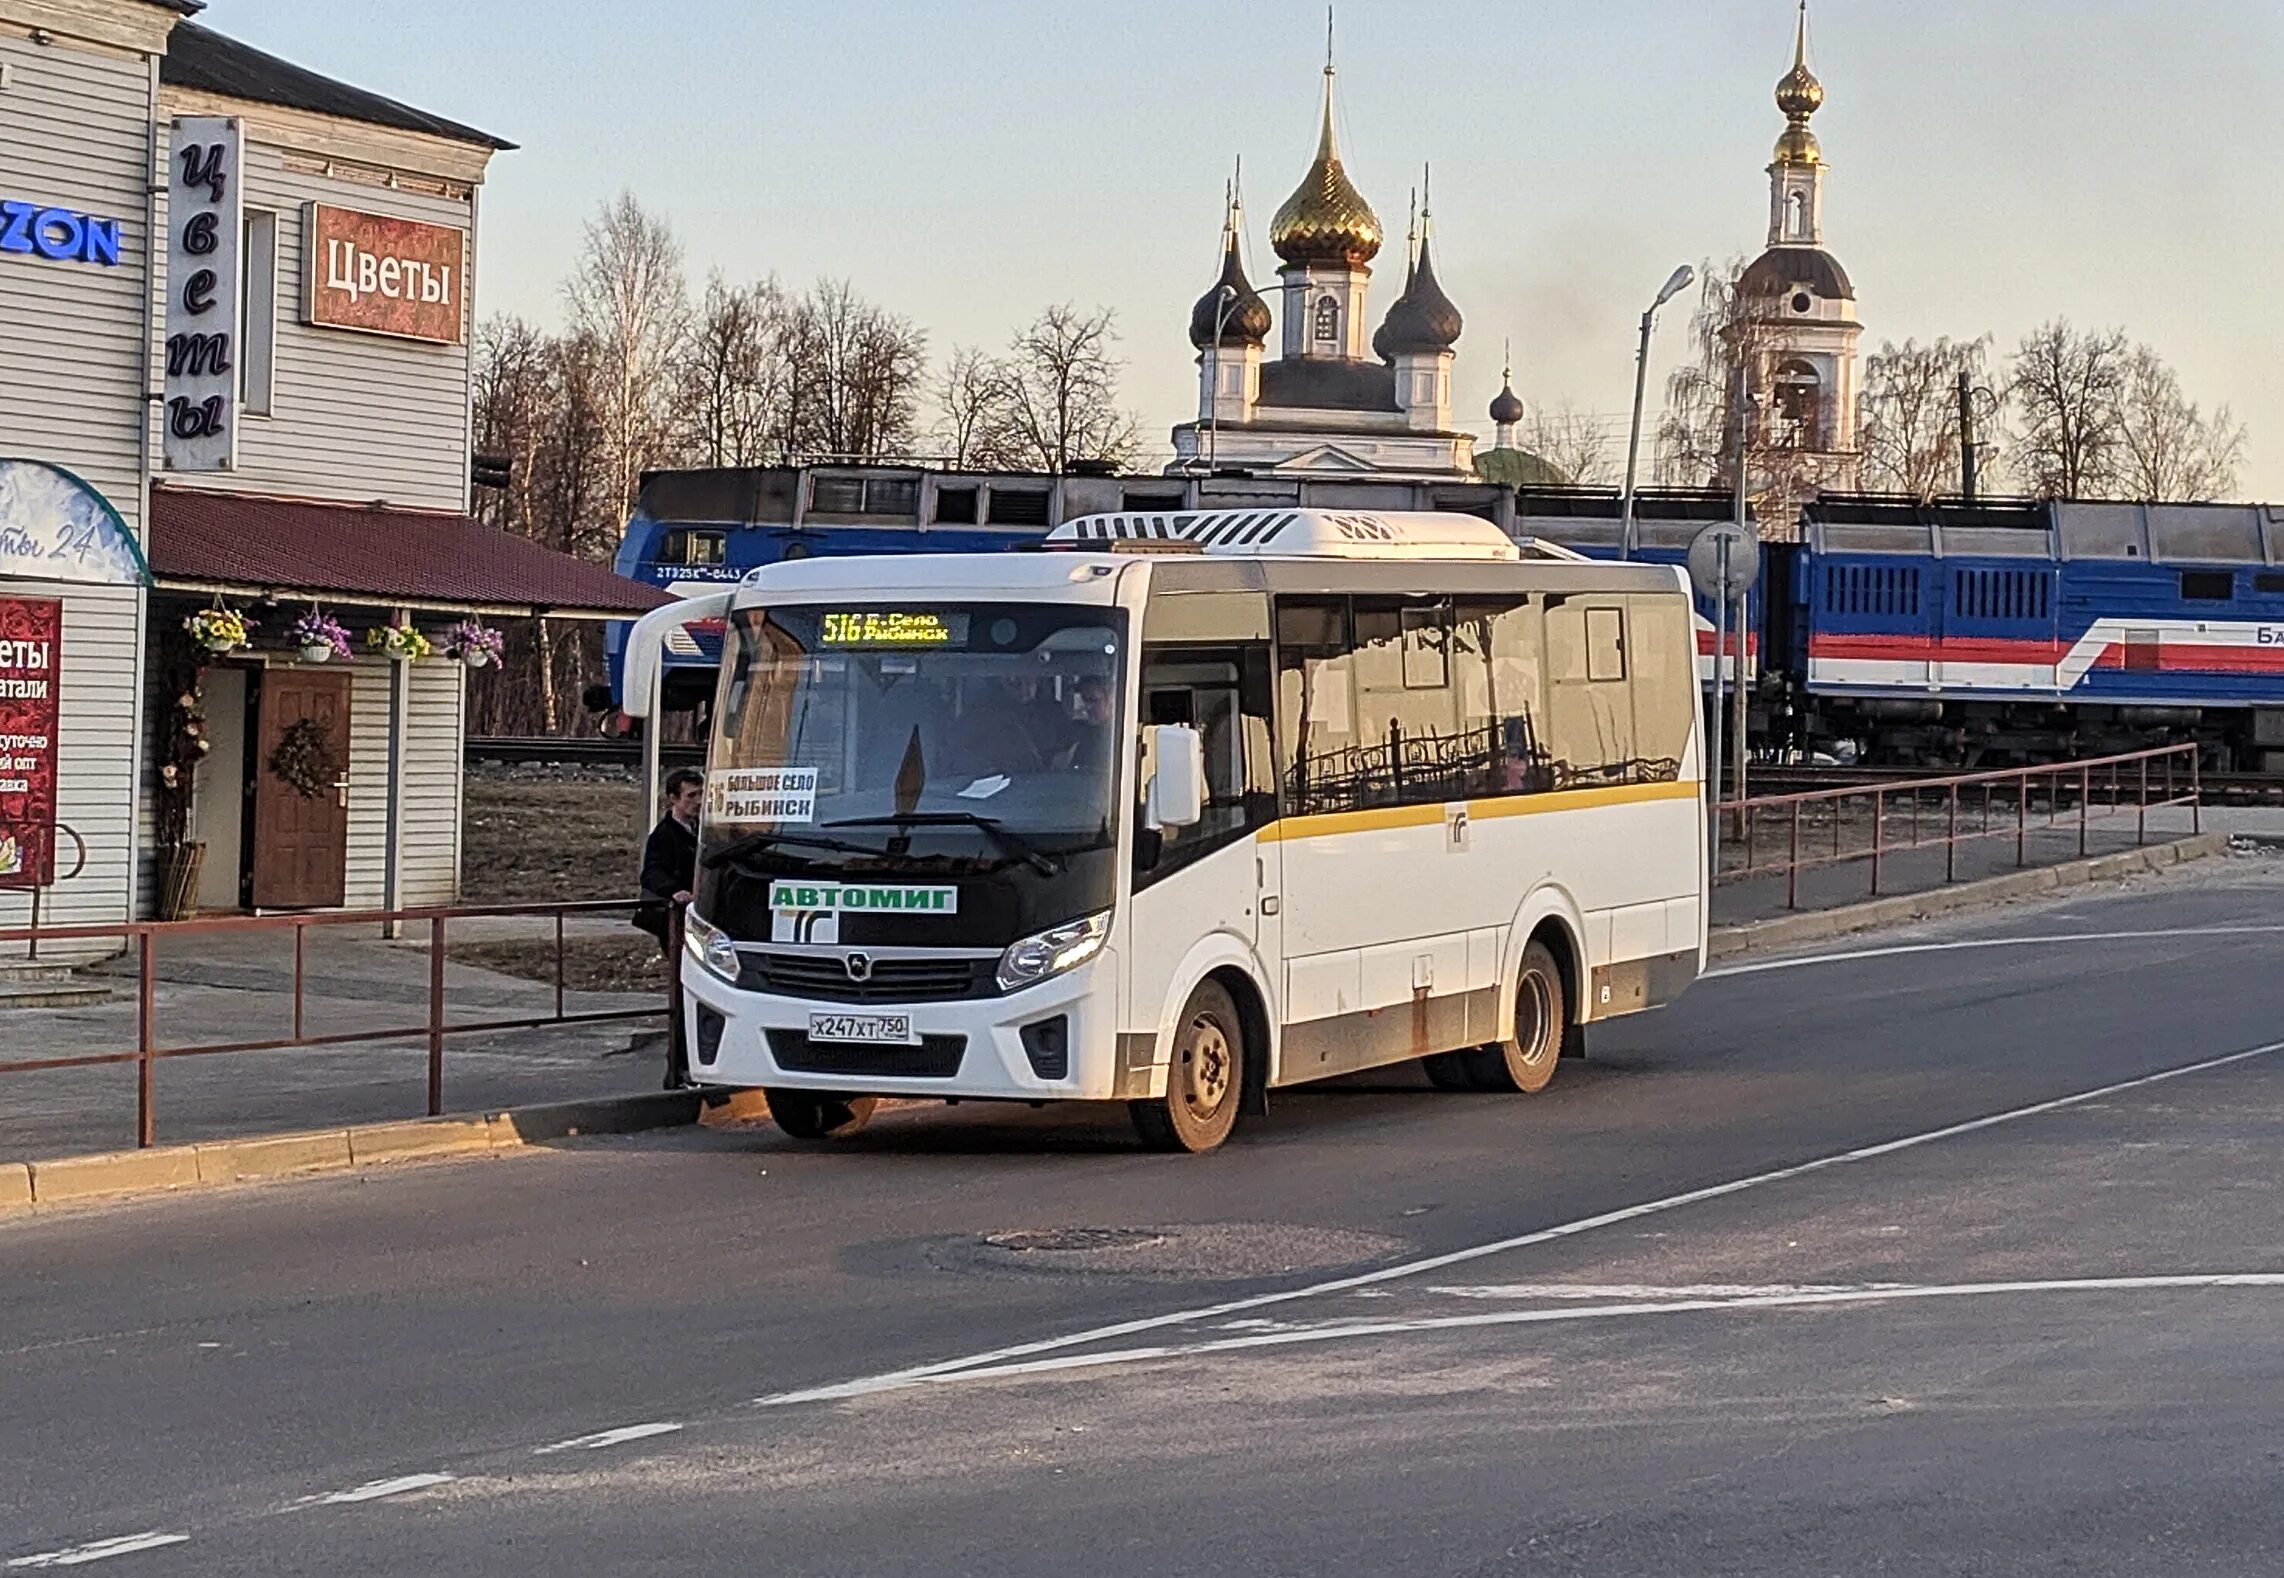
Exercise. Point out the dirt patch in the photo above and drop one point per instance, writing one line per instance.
(537, 833)
(590, 964)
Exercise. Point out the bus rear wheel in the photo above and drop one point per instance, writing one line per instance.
(1205, 1082)
(819, 1115)
(1524, 1062)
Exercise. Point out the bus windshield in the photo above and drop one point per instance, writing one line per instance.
(971, 737)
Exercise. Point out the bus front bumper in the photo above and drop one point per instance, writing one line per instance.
(1053, 1041)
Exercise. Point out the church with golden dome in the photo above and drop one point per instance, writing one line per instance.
(1336, 399)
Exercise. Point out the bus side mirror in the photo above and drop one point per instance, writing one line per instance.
(1177, 781)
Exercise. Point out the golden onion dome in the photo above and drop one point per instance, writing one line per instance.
(1800, 95)
(1796, 144)
(1326, 220)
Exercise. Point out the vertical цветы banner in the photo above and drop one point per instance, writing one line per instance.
(31, 655)
(206, 218)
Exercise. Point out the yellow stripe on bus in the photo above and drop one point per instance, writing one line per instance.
(1384, 818)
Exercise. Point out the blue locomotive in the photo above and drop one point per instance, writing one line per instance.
(1972, 634)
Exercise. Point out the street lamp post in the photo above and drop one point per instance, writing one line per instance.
(1227, 298)
(1674, 286)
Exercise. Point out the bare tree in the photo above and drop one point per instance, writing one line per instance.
(974, 427)
(1576, 443)
(628, 300)
(1062, 390)
(2067, 390)
(853, 375)
(730, 375)
(2168, 448)
(1910, 414)
(514, 397)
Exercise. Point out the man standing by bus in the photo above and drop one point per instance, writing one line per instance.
(669, 872)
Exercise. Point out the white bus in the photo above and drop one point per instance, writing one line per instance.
(1185, 808)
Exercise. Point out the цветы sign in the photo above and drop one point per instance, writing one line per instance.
(378, 275)
(31, 646)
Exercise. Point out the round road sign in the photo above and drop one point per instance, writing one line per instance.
(1725, 578)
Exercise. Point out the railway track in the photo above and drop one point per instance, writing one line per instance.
(572, 751)
(1761, 779)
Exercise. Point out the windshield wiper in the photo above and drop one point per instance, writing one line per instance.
(991, 827)
(753, 843)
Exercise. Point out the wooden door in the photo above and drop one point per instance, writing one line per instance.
(301, 840)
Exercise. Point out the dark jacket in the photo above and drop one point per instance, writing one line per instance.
(669, 866)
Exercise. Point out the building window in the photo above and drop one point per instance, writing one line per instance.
(1140, 502)
(258, 309)
(1797, 206)
(1327, 318)
(956, 506)
(1799, 406)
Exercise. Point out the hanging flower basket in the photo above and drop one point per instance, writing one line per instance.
(219, 630)
(474, 644)
(404, 643)
(319, 637)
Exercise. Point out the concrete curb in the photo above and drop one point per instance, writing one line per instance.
(1792, 931)
(166, 1169)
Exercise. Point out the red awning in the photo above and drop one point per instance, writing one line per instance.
(202, 541)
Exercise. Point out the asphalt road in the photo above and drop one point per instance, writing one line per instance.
(1754, 1289)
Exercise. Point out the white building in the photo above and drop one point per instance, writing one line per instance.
(301, 444)
(1336, 401)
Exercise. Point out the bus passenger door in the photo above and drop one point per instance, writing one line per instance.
(1213, 877)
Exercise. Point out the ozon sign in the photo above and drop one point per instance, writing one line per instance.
(376, 275)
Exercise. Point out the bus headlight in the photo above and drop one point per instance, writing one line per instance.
(710, 946)
(1053, 951)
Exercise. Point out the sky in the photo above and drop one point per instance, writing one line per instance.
(1993, 163)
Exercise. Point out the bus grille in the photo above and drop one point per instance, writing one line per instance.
(936, 1057)
(825, 977)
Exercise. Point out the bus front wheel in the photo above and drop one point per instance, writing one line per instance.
(1204, 1083)
(817, 1115)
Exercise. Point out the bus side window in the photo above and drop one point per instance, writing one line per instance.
(1663, 676)
(1223, 693)
(1590, 714)
(1498, 656)
(1316, 705)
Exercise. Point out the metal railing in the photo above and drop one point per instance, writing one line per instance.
(1879, 822)
(146, 938)
(31, 936)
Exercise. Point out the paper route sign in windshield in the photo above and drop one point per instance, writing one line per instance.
(762, 794)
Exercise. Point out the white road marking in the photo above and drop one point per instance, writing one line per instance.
(896, 1379)
(1628, 1291)
(1965, 944)
(375, 1490)
(1336, 1331)
(607, 1438)
(100, 1550)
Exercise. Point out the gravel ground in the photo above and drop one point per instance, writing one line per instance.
(539, 832)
